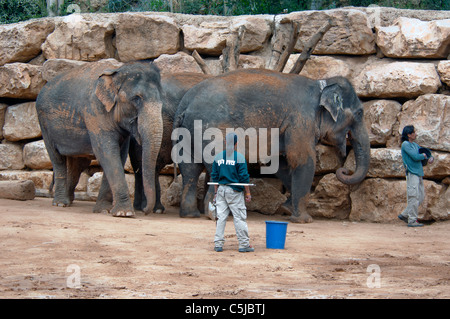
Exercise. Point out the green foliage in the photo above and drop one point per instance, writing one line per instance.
(18, 10)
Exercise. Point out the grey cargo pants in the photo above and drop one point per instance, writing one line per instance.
(415, 196)
(228, 200)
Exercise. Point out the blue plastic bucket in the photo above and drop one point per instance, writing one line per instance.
(275, 234)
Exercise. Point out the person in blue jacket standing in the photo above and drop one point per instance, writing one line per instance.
(230, 167)
(412, 161)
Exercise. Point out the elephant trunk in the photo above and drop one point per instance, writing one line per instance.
(150, 128)
(361, 146)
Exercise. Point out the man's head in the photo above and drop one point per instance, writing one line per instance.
(231, 141)
(408, 133)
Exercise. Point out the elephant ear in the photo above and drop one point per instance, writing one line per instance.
(331, 99)
(106, 89)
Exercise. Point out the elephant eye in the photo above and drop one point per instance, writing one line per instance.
(137, 100)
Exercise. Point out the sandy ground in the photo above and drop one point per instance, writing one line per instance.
(53, 252)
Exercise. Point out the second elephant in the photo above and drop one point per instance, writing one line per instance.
(303, 111)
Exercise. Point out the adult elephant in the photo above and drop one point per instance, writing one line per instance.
(174, 86)
(304, 111)
(92, 111)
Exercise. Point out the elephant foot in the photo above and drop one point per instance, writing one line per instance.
(302, 219)
(191, 214)
(123, 213)
(159, 211)
(103, 207)
(61, 203)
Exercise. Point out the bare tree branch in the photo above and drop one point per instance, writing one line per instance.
(201, 63)
(309, 47)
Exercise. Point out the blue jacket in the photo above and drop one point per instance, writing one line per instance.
(231, 169)
(412, 159)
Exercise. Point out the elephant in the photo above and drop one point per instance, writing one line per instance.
(174, 86)
(304, 113)
(91, 112)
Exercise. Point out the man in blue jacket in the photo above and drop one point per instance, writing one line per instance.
(230, 167)
(412, 161)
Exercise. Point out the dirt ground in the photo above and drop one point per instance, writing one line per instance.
(53, 252)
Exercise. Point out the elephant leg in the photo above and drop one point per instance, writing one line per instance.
(159, 207)
(208, 194)
(75, 166)
(135, 152)
(109, 153)
(60, 197)
(302, 179)
(284, 175)
(190, 173)
(104, 200)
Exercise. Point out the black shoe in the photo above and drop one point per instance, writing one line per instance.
(401, 217)
(218, 249)
(248, 249)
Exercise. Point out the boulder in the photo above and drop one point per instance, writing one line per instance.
(327, 159)
(21, 42)
(382, 200)
(53, 67)
(266, 198)
(444, 71)
(94, 182)
(20, 80)
(441, 208)
(21, 122)
(11, 157)
(380, 116)
(35, 155)
(42, 179)
(149, 36)
(413, 38)
(17, 190)
(351, 33)
(396, 80)
(81, 37)
(431, 119)
(207, 38)
(179, 62)
(330, 199)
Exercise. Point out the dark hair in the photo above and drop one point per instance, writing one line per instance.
(409, 129)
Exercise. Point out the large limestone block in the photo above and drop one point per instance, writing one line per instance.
(441, 208)
(266, 198)
(431, 118)
(380, 117)
(209, 36)
(35, 155)
(330, 199)
(413, 38)
(388, 163)
(20, 80)
(327, 159)
(176, 63)
(320, 67)
(140, 36)
(382, 200)
(11, 157)
(21, 42)
(42, 179)
(444, 71)
(397, 80)
(53, 67)
(21, 122)
(350, 35)
(81, 37)
(94, 182)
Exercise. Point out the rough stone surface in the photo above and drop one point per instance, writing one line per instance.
(413, 38)
(21, 122)
(21, 42)
(20, 80)
(397, 80)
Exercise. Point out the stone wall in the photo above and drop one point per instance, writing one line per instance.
(397, 60)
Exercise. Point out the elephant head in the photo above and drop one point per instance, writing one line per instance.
(133, 96)
(344, 117)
